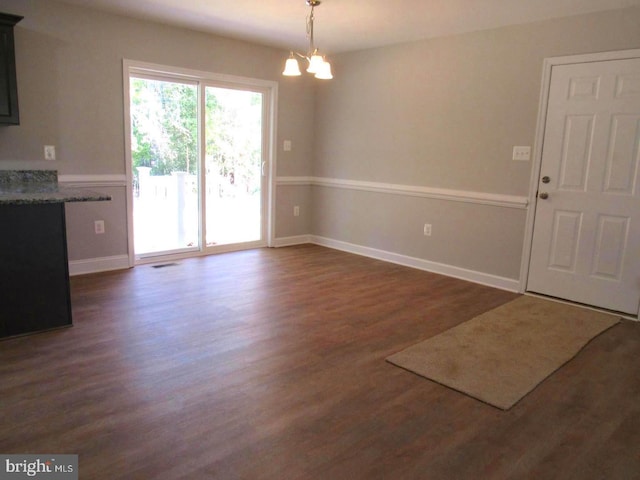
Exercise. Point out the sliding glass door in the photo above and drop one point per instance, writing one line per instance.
(198, 163)
(233, 165)
(164, 152)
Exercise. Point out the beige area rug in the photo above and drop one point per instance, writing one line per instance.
(503, 354)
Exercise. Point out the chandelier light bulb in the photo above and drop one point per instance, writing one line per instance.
(292, 68)
(315, 63)
(324, 71)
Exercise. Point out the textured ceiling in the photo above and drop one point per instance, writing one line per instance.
(345, 25)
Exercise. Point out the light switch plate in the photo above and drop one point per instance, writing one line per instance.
(522, 153)
(287, 145)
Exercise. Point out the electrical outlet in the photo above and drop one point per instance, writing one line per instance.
(296, 211)
(427, 229)
(49, 152)
(99, 227)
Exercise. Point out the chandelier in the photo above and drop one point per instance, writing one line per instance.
(317, 63)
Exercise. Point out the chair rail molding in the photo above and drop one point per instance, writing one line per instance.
(108, 180)
(480, 198)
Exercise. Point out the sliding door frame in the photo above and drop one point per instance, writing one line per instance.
(269, 90)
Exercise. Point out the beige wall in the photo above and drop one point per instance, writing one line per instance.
(444, 113)
(81, 238)
(69, 65)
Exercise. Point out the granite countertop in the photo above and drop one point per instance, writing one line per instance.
(25, 187)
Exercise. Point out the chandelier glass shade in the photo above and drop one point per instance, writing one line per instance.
(317, 64)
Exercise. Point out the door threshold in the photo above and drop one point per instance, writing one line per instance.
(172, 257)
(626, 316)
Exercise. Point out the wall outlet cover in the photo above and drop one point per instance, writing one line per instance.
(49, 152)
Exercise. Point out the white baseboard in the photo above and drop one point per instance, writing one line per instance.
(95, 265)
(290, 241)
(120, 262)
(487, 279)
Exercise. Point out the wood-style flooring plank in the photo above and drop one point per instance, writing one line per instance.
(270, 364)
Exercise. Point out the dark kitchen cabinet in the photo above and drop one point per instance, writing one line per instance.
(8, 84)
(34, 269)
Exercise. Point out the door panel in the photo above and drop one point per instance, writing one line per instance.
(235, 190)
(564, 242)
(623, 156)
(576, 152)
(164, 154)
(587, 229)
(611, 238)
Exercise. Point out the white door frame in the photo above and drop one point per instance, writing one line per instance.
(548, 65)
(270, 91)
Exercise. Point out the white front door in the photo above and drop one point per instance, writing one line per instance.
(586, 238)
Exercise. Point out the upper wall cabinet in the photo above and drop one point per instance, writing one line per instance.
(8, 84)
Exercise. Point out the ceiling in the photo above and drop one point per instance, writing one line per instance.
(345, 25)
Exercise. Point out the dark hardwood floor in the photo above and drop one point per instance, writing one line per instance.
(270, 364)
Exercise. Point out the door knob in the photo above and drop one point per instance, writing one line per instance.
(543, 195)
(546, 179)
